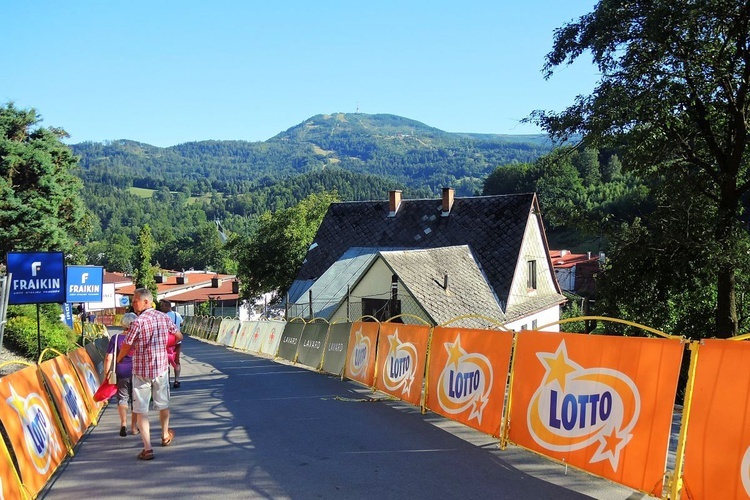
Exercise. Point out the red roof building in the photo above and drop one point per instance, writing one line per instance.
(575, 271)
(187, 290)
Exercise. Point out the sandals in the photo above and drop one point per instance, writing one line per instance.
(168, 440)
(176, 384)
(149, 454)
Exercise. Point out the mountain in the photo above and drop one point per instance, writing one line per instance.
(396, 149)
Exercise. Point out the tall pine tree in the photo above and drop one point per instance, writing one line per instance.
(40, 203)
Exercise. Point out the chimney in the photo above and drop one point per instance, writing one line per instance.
(448, 200)
(445, 280)
(394, 200)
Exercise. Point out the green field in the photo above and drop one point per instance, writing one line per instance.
(148, 193)
(143, 193)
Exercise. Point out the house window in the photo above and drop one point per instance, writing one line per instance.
(534, 324)
(531, 277)
(382, 309)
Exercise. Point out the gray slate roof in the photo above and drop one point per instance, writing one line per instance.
(492, 227)
(422, 272)
(329, 291)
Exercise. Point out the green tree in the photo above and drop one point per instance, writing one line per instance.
(511, 179)
(208, 251)
(269, 260)
(611, 169)
(587, 164)
(673, 100)
(561, 191)
(119, 253)
(144, 273)
(40, 203)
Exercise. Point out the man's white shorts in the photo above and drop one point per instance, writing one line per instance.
(144, 390)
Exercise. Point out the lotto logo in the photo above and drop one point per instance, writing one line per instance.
(575, 408)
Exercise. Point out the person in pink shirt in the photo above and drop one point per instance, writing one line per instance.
(147, 338)
(175, 346)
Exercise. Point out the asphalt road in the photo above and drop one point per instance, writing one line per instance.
(251, 428)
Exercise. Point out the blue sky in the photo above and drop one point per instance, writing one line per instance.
(169, 72)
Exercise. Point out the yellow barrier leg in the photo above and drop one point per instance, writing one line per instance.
(675, 486)
(506, 418)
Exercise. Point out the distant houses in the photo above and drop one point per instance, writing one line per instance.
(185, 289)
(576, 271)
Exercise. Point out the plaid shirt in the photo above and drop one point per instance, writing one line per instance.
(148, 336)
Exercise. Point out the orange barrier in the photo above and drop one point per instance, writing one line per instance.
(717, 455)
(360, 353)
(31, 427)
(603, 404)
(89, 379)
(10, 483)
(402, 353)
(466, 376)
(67, 394)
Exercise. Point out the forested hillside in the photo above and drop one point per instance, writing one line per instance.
(402, 150)
(192, 185)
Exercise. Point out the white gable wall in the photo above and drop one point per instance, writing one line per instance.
(376, 284)
(532, 248)
(534, 321)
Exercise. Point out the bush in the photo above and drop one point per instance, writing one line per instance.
(50, 312)
(572, 310)
(21, 335)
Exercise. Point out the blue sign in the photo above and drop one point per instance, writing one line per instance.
(68, 314)
(38, 277)
(84, 284)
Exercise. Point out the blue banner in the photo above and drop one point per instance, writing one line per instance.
(68, 314)
(84, 283)
(38, 277)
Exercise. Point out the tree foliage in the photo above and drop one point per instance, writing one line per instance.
(673, 99)
(144, 272)
(40, 204)
(269, 259)
(593, 201)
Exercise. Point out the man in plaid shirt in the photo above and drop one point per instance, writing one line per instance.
(147, 337)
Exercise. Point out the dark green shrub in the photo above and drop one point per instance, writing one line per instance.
(572, 310)
(50, 312)
(21, 335)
